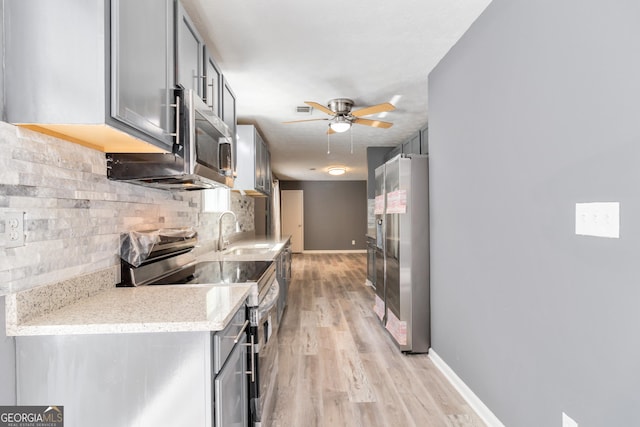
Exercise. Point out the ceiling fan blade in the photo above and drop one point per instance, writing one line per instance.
(330, 131)
(374, 109)
(320, 107)
(373, 123)
(307, 120)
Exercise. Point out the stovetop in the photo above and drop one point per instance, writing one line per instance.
(164, 257)
(218, 272)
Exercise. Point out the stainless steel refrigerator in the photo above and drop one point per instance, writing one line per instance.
(403, 298)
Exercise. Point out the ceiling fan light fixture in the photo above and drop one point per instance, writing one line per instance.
(337, 170)
(340, 124)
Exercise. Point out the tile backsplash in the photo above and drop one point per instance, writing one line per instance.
(73, 215)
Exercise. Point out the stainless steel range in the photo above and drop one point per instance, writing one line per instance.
(164, 257)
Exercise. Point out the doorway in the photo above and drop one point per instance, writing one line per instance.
(293, 218)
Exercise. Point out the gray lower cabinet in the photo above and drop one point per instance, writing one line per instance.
(283, 275)
(7, 361)
(143, 379)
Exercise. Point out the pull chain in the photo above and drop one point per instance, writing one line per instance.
(351, 134)
(328, 142)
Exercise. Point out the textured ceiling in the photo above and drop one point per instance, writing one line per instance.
(278, 54)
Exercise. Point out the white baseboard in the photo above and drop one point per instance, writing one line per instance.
(467, 394)
(339, 251)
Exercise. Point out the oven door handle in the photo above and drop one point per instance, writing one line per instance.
(269, 300)
(239, 336)
(251, 346)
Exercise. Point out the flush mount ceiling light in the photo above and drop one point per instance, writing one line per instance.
(340, 124)
(335, 170)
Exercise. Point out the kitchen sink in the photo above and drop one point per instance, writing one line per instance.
(247, 250)
(256, 246)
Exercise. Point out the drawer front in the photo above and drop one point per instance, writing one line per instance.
(224, 341)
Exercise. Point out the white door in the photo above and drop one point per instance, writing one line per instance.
(292, 218)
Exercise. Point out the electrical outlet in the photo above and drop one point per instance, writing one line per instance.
(598, 219)
(353, 242)
(567, 421)
(14, 229)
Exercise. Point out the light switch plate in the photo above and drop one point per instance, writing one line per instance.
(598, 219)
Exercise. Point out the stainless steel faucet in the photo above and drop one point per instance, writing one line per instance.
(222, 244)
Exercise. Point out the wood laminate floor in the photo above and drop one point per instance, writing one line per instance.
(338, 366)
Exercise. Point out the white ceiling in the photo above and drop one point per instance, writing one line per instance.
(277, 54)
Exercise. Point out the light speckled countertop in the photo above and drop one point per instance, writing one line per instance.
(90, 305)
(179, 308)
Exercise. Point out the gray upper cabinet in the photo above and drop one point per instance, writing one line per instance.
(412, 146)
(75, 76)
(229, 117)
(268, 177)
(260, 166)
(142, 98)
(424, 140)
(254, 170)
(103, 73)
(189, 53)
(229, 107)
(46, 63)
(417, 144)
(393, 152)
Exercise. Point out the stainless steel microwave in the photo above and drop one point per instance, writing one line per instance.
(201, 156)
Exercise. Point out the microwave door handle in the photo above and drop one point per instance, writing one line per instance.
(178, 119)
(177, 132)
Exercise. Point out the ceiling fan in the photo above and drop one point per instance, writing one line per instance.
(342, 117)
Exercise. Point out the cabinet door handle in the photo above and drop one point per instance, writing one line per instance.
(204, 90)
(212, 93)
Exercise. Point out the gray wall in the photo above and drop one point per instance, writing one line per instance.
(536, 109)
(7, 363)
(335, 213)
